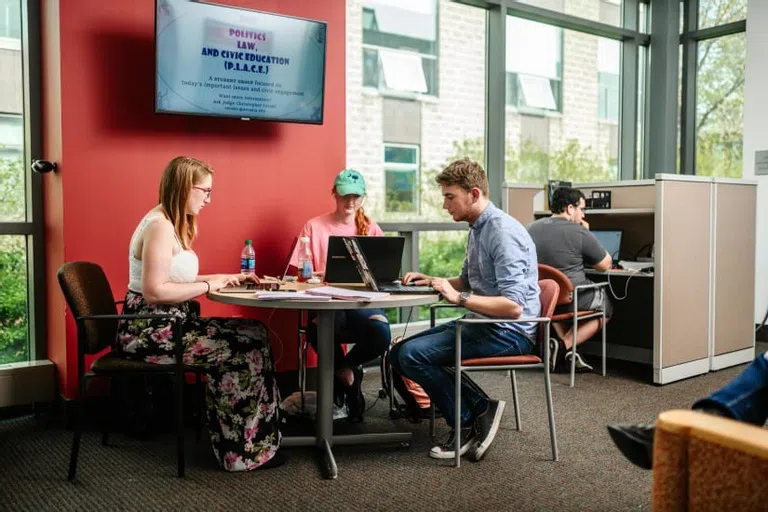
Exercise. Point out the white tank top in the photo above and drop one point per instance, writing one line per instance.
(184, 265)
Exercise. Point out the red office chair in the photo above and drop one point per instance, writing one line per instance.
(569, 295)
(549, 292)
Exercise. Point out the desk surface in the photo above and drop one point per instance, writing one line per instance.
(604, 211)
(391, 301)
(618, 272)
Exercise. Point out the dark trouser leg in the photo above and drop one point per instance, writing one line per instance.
(369, 330)
(745, 398)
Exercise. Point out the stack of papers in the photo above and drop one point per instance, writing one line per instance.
(289, 296)
(346, 294)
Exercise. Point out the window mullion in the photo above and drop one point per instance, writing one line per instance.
(688, 96)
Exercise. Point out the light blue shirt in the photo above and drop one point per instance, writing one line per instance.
(501, 262)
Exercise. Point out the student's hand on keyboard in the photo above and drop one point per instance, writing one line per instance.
(219, 281)
(445, 288)
(417, 278)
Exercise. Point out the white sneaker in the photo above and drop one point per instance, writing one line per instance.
(581, 365)
(553, 348)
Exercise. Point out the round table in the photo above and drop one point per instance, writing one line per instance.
(326, 309)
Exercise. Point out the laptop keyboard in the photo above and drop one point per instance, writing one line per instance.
(401, 288)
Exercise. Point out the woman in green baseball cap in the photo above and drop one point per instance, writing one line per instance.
(368, 329)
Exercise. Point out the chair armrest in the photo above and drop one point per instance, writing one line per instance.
(444, 305)
(123, 317)
(546, 321)
(541, 319)
(731, 434)
(702, 462)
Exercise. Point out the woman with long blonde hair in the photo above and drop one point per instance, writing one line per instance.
(368, 329)
(242, 396)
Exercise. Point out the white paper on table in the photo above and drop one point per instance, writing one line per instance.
(345, 294)
(297, 296)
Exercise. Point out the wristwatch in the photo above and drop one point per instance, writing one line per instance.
(463, 296)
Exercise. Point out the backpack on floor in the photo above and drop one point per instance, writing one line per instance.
(413, 402)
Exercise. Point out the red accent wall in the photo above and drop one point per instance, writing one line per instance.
(111, 148)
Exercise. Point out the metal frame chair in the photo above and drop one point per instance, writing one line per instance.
(89, 296)
(549, 291)
(569, 294)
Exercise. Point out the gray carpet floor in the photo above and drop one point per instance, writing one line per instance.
(517, 474)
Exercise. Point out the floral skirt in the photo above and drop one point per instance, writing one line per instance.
(242, 398)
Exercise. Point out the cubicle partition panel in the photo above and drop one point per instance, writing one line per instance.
(683, 281)
(640, 194)
(733, 305)
(521, 200)
(695, 311)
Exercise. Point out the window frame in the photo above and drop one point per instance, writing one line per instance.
(689, 38)
(415, 43)
(31, 228)
(414, 167)
(555, 84)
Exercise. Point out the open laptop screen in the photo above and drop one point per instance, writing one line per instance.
(611, 240)
(383, 253)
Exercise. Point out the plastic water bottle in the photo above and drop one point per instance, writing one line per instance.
(305, 259)
(248, 259)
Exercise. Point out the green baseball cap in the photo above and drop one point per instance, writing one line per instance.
(349, 181)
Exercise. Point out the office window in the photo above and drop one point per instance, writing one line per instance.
(719, 12)
(609, 85)
(579, 140)
(534, 65)
(401, 176)
(400, 45)
(605, 11)
(10, 19)
(720, 106)
(16, 249)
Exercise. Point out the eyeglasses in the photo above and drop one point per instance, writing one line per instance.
(206, 190)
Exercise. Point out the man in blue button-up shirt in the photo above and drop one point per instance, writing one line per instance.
(499, 279)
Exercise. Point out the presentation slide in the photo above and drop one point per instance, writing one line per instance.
(224, 61)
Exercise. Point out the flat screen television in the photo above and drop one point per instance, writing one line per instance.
(216, 60)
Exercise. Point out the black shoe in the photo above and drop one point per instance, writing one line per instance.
(635, 442)
(447, 449)
(487, 424)
(355, 398)
(339, 393)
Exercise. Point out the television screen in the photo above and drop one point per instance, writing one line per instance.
(217, 60)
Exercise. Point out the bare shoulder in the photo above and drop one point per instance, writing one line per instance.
(159, 227)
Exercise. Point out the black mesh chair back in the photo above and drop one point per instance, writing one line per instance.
(87, 291)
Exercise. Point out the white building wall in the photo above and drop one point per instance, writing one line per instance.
(458, 112)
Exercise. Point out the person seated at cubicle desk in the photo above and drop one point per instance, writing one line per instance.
(563, 241)
(368, 329)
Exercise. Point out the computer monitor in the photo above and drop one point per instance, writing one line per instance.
(611, 240)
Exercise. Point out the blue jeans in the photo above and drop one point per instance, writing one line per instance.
(371, 336)
(428, 357)
(745, 398)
